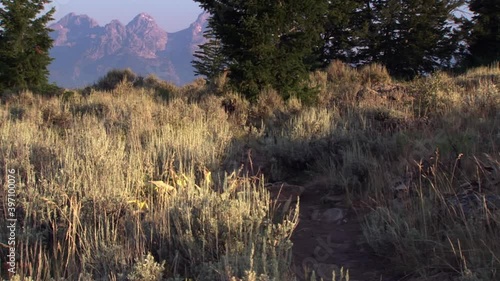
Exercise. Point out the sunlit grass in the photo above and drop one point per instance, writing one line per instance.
(159, 182)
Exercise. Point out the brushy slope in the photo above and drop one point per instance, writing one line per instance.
(104, 178)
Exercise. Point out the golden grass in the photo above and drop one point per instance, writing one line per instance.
(367, 142)
(88, 207)
(152, 182)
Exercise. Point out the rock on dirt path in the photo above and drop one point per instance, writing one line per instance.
(330, 237)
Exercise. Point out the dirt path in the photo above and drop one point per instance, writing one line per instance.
(323, 244)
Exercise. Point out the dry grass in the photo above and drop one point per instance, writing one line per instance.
(85, 163)
(426, 232)
(87, 207)
(364, 137)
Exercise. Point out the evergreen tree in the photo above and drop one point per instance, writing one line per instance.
(210, 61)
(346, 30)
(24, 44)
(268, 43)
(414, 36)
(410, 37)
(485, 38)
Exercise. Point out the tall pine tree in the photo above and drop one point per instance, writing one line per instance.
(415, 36)
(210, 61)
(346, 30)
(410, 37)
(268, 43)
(485, 38)
(24, 44)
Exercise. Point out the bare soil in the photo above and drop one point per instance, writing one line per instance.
(325, 246)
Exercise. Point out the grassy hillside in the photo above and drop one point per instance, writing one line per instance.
(153, 182)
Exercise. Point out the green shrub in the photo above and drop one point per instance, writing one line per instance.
(114, 77)
(147, 269)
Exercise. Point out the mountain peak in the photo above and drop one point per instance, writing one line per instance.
(198, 27)
(85, 51)
(203, 17)
(72, 20)
(144, 37)
(143, 23)
(143, 18)
(115, 22)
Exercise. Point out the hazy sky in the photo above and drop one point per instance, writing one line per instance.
(171, 15)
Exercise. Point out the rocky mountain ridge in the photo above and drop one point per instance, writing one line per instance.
(84, 51)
